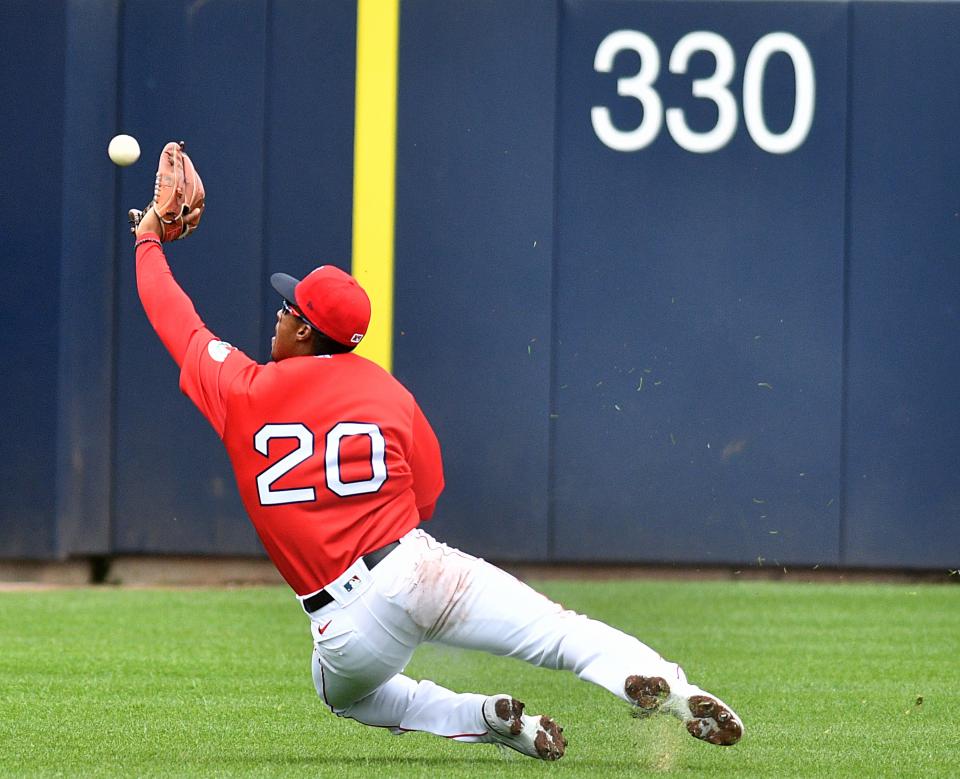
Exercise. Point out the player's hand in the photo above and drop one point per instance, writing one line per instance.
(146, 221)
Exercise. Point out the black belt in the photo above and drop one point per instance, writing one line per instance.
(322, 598)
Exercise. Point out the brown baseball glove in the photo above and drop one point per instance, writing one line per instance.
(178, 196)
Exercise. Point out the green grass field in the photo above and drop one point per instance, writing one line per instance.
(830, 680)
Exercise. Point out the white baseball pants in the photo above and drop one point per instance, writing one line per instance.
(427, 591)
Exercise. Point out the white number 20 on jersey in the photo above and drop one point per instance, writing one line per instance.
(304, 451)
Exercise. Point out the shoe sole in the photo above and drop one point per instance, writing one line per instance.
(713, 721)
(648, 693)
(549, 742)
(510, 711)
(704, 716)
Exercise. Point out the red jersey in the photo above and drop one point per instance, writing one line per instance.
(332, 455)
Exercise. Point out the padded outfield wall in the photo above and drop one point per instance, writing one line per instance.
(675, 281)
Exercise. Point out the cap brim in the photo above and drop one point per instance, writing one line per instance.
(285, 285)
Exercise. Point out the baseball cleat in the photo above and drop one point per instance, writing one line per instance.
(647, 692)
(705, 716)
(531, 735)
(710, 719)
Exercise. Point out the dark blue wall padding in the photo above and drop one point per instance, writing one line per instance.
(699, 317)
(474, 249)
(84, 452)
(735, 357)
(32, 93)
(903, 415)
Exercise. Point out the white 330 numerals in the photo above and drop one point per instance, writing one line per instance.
(640, 87)
(304, 451)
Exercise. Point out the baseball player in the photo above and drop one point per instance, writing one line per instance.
(338, 469)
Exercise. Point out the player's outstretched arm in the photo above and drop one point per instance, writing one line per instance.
(168, 307)
(173, 213)
(208, 366)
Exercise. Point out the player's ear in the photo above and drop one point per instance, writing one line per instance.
(304, 332)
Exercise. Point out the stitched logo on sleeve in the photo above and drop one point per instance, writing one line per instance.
(219, 350)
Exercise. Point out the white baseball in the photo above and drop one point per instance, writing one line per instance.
(124, 150)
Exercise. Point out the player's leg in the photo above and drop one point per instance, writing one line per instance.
(360, 650)
(490, 610)
(473, 604)
(403, 705)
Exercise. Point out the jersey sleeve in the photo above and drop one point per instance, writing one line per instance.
(426, 464)
(210, 368)
(207, 365)
(167, 306)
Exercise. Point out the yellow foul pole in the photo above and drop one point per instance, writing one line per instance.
(374, 166)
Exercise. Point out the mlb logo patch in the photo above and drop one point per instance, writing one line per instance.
(357, 337)
(354, 580)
